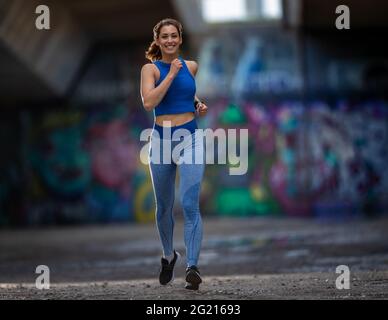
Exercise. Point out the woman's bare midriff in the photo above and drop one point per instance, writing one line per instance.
(175, 119)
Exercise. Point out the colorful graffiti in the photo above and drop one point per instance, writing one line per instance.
(353, 140)
(113, 156)
(57, 155)
(83, 166)
(319, 160)
(58, 168)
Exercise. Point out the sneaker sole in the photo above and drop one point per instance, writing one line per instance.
(193, 280)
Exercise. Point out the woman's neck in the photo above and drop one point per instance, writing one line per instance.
(169, 58)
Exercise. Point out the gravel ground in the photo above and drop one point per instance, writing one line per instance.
(247, 258)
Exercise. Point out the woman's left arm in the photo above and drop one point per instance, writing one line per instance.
(200, 106)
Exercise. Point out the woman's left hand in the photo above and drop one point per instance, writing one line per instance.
(201, 109)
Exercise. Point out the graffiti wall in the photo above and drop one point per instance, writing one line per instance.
(84, 167)
(316, 160)
(319, 160)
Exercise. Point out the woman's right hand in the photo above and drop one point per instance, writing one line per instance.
(176, 65)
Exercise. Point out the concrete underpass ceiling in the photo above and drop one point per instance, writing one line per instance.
(95, 20)
(132, 20)
(119, 19)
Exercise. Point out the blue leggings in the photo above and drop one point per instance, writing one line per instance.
(163, 173)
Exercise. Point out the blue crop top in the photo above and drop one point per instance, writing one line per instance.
(180, 95)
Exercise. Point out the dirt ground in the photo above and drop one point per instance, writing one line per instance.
(246, 258)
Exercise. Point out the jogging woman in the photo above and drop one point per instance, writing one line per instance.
(168, 89)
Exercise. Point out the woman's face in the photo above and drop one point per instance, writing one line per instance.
(169, 40)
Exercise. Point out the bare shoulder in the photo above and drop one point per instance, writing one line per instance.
(148, 68)
(192, 65)
(150, 71)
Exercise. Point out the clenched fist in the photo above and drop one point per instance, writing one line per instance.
(176, 65)
(201, 109)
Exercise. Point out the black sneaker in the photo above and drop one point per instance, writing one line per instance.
(166, 274)
(193, 279)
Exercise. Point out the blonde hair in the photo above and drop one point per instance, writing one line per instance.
(153, 53)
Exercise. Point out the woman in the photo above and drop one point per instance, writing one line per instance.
(168, 89)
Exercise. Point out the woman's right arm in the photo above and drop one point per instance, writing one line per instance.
(151, 95)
